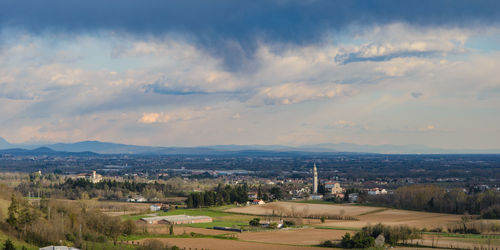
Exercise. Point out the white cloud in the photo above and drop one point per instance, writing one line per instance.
(427, 128)
(184, 114)
(292, 93)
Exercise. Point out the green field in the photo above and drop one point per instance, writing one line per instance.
(193, 212)
(220, 218)
(18, 244)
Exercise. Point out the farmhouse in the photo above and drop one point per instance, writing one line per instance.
(258, 202)
(155, 207)
(177, 219)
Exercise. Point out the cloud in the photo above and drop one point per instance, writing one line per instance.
(344, 124)
(151, 118)
(232, 30)
(416, 94)
(174, 116)
(427, 128)
(292, 93)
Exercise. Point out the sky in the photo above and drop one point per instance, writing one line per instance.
(287, 72)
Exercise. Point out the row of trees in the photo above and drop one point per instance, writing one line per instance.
(433, 198)
(220, 196)
(106, 189)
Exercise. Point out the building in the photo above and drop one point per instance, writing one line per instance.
(353, 197)
(316, 197)
(334, 188)
(315, 180)
(155, 207)
(279, 224)
(177, 219)
(258, 202)
(252, 196)
(136, 198)
(93, 177)
(58, 248)
(376, 191)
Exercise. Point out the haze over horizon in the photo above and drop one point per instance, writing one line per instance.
(287, 72)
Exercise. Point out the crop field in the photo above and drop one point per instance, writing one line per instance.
(210, 243)
(364, 215)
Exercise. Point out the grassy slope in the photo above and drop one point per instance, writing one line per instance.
(18, 244)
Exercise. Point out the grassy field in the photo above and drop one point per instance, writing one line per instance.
(193, 212)
(17, 244)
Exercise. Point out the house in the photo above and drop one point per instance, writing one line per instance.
(136, 198)
(155, 207)
(353, 197)
(376, 191)
(340, 196)
(279, 224)
(258, 202)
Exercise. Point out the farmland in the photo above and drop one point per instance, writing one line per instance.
(311, 232)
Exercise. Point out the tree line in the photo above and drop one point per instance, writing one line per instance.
(434, 198)
(218, 197)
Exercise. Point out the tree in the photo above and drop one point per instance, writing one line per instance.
(321, 189)
(171, 229)
(190, 203)
(255, 222)
(129, 227)
(13, 212)
(9, 245)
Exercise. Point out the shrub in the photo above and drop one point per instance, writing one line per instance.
(8, 245)
(327, 243)
(288, 223)
(359, 240)
(153, 245)
(492, 212)
(255, 222)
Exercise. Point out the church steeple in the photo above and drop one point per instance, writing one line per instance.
(315, 180)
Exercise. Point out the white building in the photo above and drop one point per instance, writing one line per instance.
(93, 177)
(155, 207)
(377, 191)
(58, 248)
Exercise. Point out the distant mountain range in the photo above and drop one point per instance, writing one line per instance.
(89, 147)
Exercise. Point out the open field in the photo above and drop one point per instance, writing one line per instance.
(299, 236)
(209, 243)
(366, 215)
(311, 234)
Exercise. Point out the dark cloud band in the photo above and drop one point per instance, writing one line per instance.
(218, 25)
